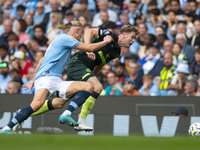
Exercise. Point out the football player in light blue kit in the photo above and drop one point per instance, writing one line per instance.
(49, 73)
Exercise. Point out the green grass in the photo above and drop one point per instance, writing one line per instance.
(97, 142)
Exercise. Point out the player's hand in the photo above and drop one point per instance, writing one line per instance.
(108, 39)
(91, 55)
(28, 86)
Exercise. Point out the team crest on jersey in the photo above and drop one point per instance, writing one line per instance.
(88, 70)
(72, 38)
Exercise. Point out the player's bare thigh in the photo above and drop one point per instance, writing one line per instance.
(78, 86)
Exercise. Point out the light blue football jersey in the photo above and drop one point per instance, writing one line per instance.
(57, 55)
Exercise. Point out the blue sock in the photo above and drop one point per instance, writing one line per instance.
(78, 100)
(21, 116)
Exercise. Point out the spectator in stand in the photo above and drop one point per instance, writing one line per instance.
(166, 7)
(189, 18)
(21, 27)
(129, 88)
(83, 20)
(195, 39)
(176, 85)
(19, 15)
(132, 11)
(143, 50)
(143, 30)
(178, 57)
(13, 88)
(195, 65)
(124, 18)
(102, 75)
(29, 77)
(4, 57)
(186, 49)
(30, 27)
(53, 31)
(39, 36)
(26, 51)
(38, 56)
(103, 6)
(152, 63)
(116, 6)
(4, 76)
(84, 11)
(166, 73)
(175, 6)
(7, 25)
(76, 10)
(134, 68)
(34, 47)
(191, 87)
(13, 42)
(155, 20)
(13, 73)
(172, 22)
(167, 46)
(22, 64)
(119, 71)
(148, 88)
(112, 89)
(39, 14)
(68, 16)
(54, 8)
(106, 24)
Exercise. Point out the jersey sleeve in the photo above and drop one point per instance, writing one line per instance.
(103, 32)
(69, 42)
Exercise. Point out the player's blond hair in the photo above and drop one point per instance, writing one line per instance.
(68, 25)
(129, 28)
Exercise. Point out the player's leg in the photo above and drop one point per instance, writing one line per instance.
(89, 103)
(25, 112)
(82, 90)
(49, 105)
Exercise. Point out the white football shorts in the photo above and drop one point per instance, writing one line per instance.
(53, 84)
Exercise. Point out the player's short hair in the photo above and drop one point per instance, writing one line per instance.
(129, 28)
(68, 25)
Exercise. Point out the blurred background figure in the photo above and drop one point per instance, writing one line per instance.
(149, 88)
(112, 89)
(4, 76)
(181, 111)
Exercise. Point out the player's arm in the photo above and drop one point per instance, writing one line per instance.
(30, 84)
(97, 69)
(37, 67)
(94, 46)
(89, 34)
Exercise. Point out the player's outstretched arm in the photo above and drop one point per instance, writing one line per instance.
(94, 46)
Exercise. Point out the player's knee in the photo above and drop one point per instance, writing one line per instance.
(89, 87)
(98, 88)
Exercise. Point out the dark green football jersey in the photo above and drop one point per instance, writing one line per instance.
(103, 55)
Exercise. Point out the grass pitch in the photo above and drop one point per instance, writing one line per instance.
(96, 142)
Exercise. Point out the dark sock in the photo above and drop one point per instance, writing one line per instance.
(78, 100)
(50, 105)
(95, 94)
(21, 116)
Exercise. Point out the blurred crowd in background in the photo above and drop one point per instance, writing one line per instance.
(163, 61)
